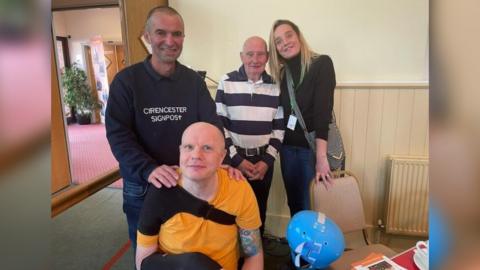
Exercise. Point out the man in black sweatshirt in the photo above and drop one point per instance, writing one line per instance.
(150, 105)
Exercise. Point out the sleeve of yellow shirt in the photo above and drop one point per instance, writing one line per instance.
(249, 215)
(146, 240)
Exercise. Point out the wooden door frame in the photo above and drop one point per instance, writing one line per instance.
(66, 52)
(60, 164)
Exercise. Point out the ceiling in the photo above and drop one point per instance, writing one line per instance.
(73, 4)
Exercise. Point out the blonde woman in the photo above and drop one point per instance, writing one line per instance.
(313, 79)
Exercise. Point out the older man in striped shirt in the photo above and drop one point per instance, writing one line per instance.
(248, 103)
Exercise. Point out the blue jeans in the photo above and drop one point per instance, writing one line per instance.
(133, 197)
(298, 169)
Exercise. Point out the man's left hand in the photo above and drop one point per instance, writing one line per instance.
(233, 172)
(261, 169)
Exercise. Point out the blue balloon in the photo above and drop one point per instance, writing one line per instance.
(315, 239)
(440, 237)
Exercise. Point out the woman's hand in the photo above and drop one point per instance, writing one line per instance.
(322, 171)
(322, 168)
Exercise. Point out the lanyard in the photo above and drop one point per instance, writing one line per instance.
(296, 110)
(293, 102)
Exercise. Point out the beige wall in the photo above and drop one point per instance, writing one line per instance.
(59, 24)
(372, 40)
(83, 24)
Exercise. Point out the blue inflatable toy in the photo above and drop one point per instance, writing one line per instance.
(440, 236)
(315, 240)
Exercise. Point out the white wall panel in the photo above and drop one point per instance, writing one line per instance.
(404, 122)
(372, 150)
(347, 111)
(419, 135)
(359, 134)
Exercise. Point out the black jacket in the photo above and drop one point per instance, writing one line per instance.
(314, 97)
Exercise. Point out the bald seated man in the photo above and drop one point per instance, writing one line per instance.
(249, 106)
(197, 224)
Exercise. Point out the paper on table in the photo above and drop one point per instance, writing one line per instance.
(383, 264)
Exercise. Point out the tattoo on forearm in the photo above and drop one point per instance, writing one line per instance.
(251, 242)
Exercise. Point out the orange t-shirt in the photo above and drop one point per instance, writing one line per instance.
(185, 232)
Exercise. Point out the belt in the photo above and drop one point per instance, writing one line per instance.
(250, 152)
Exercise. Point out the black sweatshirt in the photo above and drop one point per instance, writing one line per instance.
(146, 115)
(314, 98)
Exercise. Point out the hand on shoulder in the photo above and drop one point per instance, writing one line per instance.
(164, 175)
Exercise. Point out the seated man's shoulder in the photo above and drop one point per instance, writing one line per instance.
(233, 185)
(163, 195)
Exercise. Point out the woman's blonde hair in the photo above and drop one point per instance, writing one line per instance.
(276, 61)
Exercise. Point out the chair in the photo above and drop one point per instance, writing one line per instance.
(342, 203)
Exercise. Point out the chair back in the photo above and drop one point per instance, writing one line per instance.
(341, 202)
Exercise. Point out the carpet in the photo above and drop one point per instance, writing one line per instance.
(90, 154)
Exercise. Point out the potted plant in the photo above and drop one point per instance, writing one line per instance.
(78, 94)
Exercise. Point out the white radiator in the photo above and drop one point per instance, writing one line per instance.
(407, 197)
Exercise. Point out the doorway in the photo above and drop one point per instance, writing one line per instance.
(88, 149)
